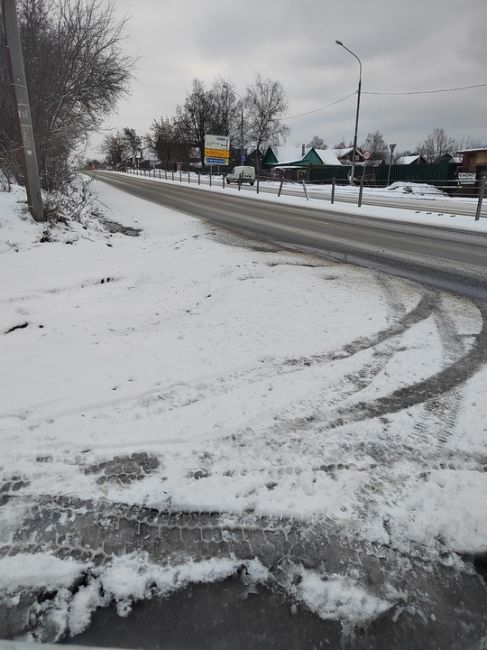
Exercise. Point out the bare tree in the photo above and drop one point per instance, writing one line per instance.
(436, 145)
(317, 142)
(195, 116)
(75, 71)
(132, 142)
(168, 141)
(377, 146)
(227, 110)
(114, 146)
(214, 110)
(266, 103)
(470, 143)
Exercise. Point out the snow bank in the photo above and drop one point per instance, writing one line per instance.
(37, 570)
(415, 189)
(131, 578)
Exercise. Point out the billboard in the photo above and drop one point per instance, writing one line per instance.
(217, 149)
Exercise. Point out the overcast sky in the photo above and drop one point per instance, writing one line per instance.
(404, 45)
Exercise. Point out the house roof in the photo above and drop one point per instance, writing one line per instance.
(287, 155)
(341, 152)
(328, 156)
(293, 156)
(472, 150)
(407, 160)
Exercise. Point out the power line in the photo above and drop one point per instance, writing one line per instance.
(400, 92)
(425, 92)
(321, 108)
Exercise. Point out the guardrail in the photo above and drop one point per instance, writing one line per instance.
(347, 193)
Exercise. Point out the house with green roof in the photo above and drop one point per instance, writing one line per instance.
(298, 157)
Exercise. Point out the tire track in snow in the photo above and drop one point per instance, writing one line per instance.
(183, 394)
(96, 532)
(432, 387)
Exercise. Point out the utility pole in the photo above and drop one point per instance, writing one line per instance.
(391, 147)
(359, 90)
(17, 72)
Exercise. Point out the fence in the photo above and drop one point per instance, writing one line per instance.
(369, 189)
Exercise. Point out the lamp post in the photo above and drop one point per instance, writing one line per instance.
(242, 154)
(354, 152)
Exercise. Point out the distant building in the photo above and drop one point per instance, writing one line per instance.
(345, 155)
(448, 157)
(474, 161)
(299, 157)
(416, 159)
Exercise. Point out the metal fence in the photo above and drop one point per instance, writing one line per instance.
(338, 188)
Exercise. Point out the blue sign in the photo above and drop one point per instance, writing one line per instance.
(216, 161)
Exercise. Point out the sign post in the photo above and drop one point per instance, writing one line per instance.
(217, 150)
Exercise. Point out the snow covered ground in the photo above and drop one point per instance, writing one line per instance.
(256, 380)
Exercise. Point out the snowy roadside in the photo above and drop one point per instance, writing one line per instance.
(251, 381)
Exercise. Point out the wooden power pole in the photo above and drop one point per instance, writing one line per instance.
(17, 71)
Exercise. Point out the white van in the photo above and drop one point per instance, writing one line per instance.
(246, 173)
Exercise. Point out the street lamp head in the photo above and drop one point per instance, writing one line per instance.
(339, 43)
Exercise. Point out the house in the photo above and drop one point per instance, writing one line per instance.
(473, 168)
(327, 156)
(345, 155)
(298, 157)
(474, 160)
(416, 159)
(448, 157)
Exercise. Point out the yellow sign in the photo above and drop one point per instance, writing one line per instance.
(216, 153)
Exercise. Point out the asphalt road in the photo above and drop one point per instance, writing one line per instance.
(449, 259)
(433, 204)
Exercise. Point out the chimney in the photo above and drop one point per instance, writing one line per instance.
(303, 150)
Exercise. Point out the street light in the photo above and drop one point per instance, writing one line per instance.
(242, 154)
(354, 152)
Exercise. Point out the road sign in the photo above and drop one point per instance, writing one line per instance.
(216, 161)
(467, 178)
(216, 153)
(217, 149)
(367, 155)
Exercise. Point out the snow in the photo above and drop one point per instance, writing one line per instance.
(18, 231)
(415, 189)
(328, 157)
(243, 372)
(287, 155)
(341, 152)
(407, 160)
(338, 597)
(37, 570)
(130, 578)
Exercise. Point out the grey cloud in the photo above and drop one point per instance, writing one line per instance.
(404, 46)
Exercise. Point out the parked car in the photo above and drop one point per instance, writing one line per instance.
(246, 173)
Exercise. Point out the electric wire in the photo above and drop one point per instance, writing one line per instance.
(320, 108)
(423, 92)
(399, 92)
